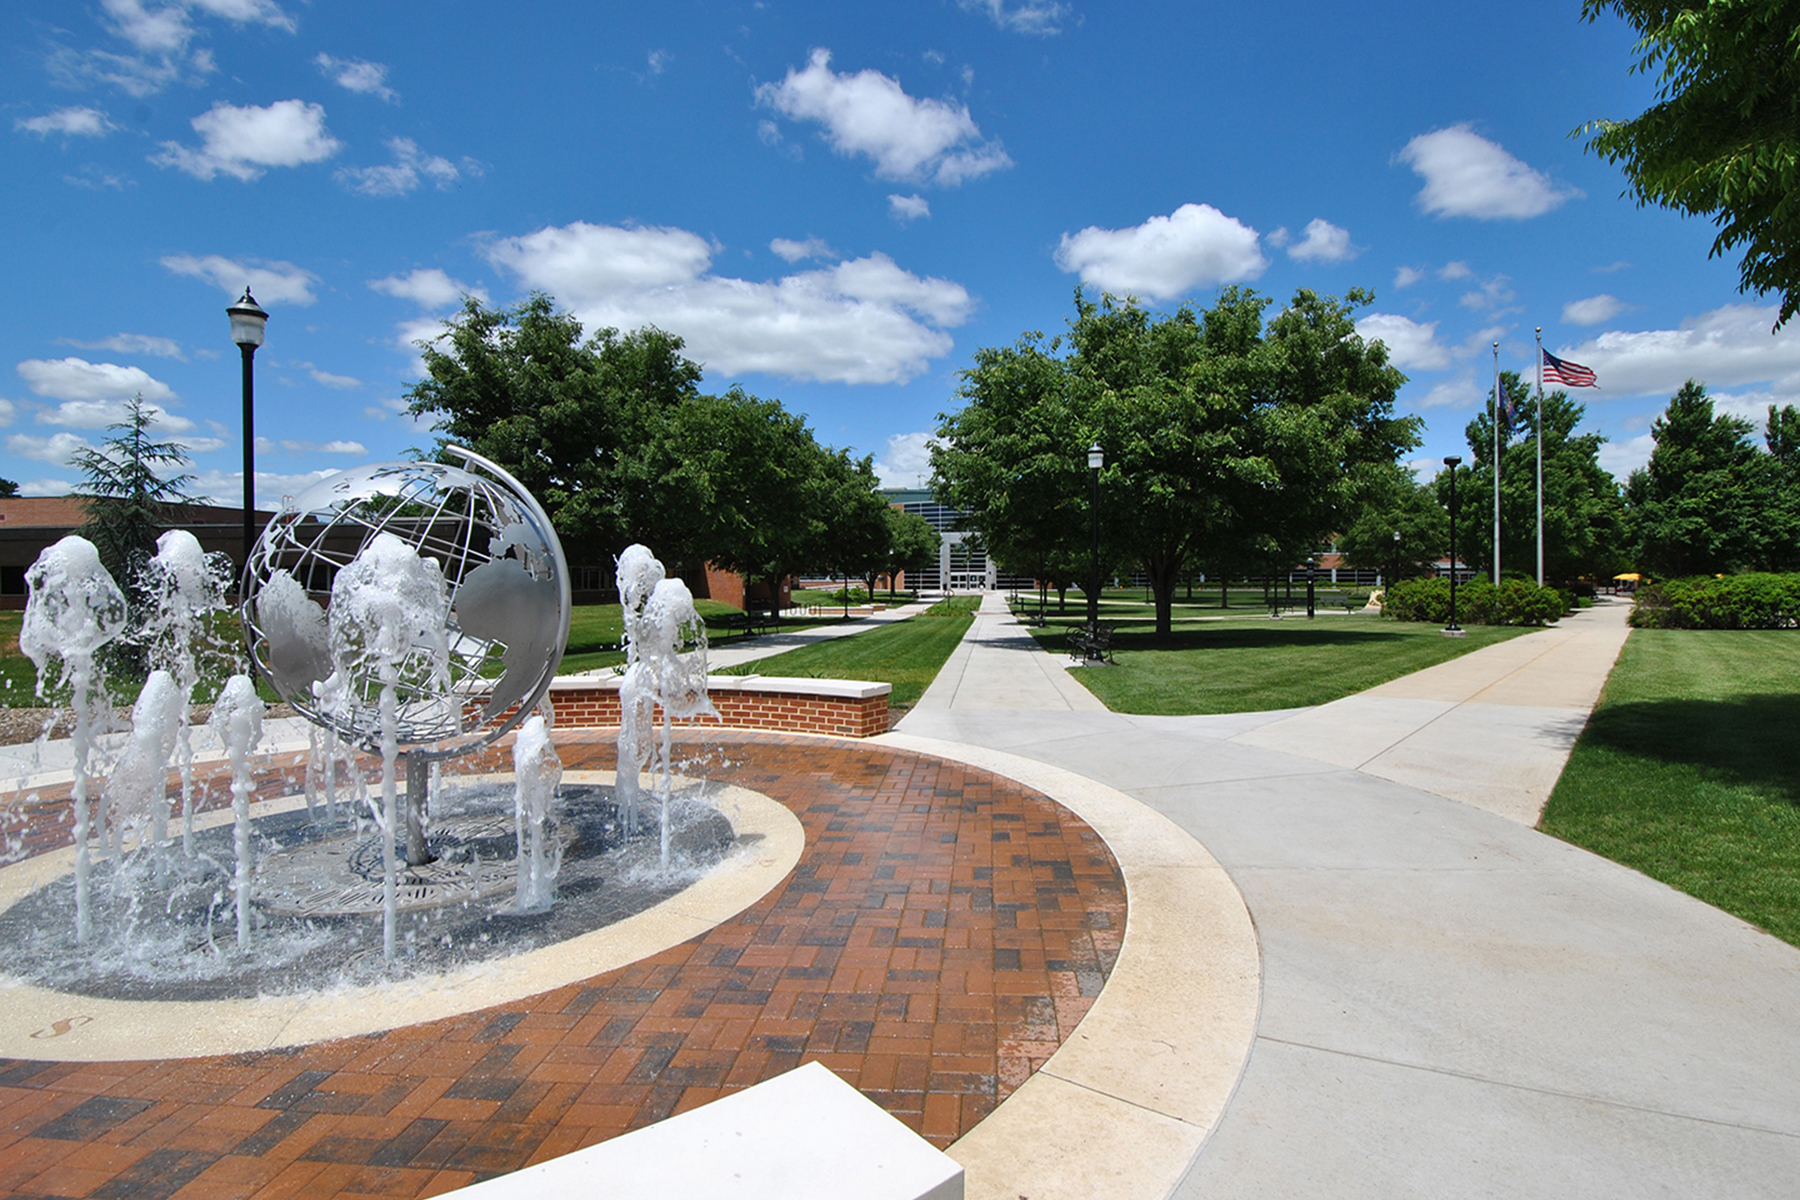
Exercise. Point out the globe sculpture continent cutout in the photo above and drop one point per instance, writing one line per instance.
(452, 622)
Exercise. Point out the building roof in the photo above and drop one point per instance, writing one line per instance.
(70, 512)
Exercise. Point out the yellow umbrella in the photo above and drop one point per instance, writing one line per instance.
(1633, 576)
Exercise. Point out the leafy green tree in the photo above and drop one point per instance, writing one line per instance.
(912, 542)
(8, 488)
(1219, 432)
(568, 416)
(1398, 505)
(856, 522)
(1694, 507)
(1780, 503)
(127, 492)
(1584, 514)
(1723, 140)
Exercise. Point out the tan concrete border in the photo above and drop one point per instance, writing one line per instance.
(84, 1029)
(1122, 1108)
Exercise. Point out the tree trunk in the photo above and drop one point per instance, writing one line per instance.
(1162, 587)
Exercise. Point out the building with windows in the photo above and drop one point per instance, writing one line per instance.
(962, 564)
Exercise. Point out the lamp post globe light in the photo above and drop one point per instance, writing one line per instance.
(1096, 458)
(1453, 629)
(247, 321)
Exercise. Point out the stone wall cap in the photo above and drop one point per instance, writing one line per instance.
(781, 685)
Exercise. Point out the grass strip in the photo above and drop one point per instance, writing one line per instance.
(907, 654)
(1253, 664)
(1689, 770)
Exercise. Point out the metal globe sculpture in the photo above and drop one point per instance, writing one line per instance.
(445, 582)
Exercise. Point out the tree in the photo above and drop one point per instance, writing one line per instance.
(569, 417)
(1401, 506)
(911, 543)
(1724, 138)
(8, 488)
(855, 527)
(1780, 505)
(1693, 507)
(125, 494)
(1219, 432)
(1584, 515)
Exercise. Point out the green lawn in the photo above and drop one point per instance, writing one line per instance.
(1249, 664)
(906, 654)
(595, 629)
(1689, 770)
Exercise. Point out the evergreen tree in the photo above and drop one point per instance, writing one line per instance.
(1696, 507)
(126, 494)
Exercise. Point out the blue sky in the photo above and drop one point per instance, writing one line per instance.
(833, 204)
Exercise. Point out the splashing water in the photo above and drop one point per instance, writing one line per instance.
(638, 574)
(389, 610)
(72, 610)
(237, 719)
(537, 772)
(669, 676)
(136, 798)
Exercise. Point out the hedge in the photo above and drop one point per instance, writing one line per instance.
(1755, 600)
(1478, 602)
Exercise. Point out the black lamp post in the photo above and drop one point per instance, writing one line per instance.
(1096, 460)
(1453, 629)
(1312, 573)
(247, 321)
(1395, 574)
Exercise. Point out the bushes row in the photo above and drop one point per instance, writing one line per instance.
(1751, 601)
(1478, 602)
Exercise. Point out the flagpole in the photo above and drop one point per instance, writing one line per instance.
(1540, 455)
(1496, 464)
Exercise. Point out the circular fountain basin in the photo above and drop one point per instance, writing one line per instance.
(44, 1022)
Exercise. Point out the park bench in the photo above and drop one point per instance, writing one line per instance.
(757, 620)
(1084, 646)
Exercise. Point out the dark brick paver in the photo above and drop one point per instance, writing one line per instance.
(940, 937)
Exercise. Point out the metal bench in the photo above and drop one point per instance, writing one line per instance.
(1085, 646)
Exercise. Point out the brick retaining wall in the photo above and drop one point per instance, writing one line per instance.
(843, 707)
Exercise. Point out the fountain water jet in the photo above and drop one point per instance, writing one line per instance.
(237, 718)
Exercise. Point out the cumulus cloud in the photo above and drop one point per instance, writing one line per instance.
(167, 28)
(1322, 242)
(271, 282)
(1405, 277)
(244, 142)
(812, 247)
(926, 141)
(7, 411)
(410, 168)
(1593, 310)
(1621, 457)
(69, 122)
(357, 75)
(327, 379)
(428, 287)
(334, 447)
(1460, 391)
(102, 414)
(1411, 345)
(1041, 17)
(226, 488)
(131, 343)
(1726, 347)
(905, 209)
(906, 460)
(1491, 295)
(1195, 246)
(861, 321)
(1468, 176)
(46, 487)
(57, 449)
(78, 379)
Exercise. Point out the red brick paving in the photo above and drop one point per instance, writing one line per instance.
(942, 934)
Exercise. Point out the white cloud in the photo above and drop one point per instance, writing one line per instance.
(428, 287)
(366, 78)
(410, 168)
(226, 488)
(1468, 176)
(327, 379)
(70, 122)
(1323, 242)
(658, 61)
(243, 142)
(1405, 277)
(812, 247)
(1041, 17)
(7, 412)
(861, 321)
(1594, 310)
(1454, 270)
(203, 445)
(78, 379)
(46, 487)
(1493, 294)
(271, 282)
(908, 208)
(1459, 392)
(928, 141)
(131, 343)
(1726, 347)
(1196, 246)
(102, 414)
(1620, 458)
(906, 461)
(57, 449)
(1411, 345)
(334, 447)
(1480, 342)
(166, 29)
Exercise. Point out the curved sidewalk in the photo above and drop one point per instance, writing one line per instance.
(1453, 1004)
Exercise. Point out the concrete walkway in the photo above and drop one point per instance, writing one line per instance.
(998, 667)
(1453, 1004)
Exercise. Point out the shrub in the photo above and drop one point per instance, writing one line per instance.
(1478, 602)
(1755, 600)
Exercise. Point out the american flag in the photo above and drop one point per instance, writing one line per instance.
(1568, 374)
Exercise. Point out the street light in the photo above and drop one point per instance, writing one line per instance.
(1395, 574)
(1453, 629)
(1312, 573)
(247, 321)
(1096, 460)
